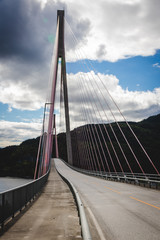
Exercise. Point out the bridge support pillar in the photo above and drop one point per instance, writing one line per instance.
(61, 54)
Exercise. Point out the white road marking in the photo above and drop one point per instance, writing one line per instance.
(99, 230)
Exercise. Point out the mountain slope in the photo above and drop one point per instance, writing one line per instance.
(19, 161)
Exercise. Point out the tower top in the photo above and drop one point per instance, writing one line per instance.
(60, 17)
(60, 13)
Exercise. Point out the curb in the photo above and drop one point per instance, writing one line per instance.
(83, 220)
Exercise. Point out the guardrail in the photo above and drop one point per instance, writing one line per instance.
(147, 180)
(14, 200)
(83, 220)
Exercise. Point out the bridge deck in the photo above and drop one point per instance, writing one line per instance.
(52, 216)
(119, 211)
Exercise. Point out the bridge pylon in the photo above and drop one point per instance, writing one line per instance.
(61, 54)
(46, 140)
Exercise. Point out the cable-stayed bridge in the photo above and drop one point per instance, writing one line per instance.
(99, 144)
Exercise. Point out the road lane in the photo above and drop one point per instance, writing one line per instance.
(122, 211)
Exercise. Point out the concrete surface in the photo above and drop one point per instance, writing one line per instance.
(119, 211)
(52, 216)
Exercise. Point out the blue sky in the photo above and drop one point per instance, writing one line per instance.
(124, 28)
(136, 73)
(19, 115)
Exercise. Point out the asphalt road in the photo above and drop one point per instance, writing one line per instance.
(119, 211)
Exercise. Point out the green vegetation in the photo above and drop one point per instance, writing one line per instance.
(19, 161)
(147, 131)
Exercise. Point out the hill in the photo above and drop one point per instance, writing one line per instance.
(19, 161)
(147, 131)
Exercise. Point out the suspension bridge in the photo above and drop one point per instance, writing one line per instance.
(101, 152)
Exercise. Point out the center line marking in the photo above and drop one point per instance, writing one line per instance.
(144, 202)
(112, 190)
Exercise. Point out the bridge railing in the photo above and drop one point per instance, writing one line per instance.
(147, 180)
(14, 200)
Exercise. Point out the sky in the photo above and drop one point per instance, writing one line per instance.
(120, 37)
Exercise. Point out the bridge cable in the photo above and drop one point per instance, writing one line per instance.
(119, 127)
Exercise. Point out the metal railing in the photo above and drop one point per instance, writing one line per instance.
(147, 180)
(83, 220)
(14, 200)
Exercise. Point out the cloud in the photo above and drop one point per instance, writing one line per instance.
(25, 53)
(22, 86)
(26, 42)
(157, 65)
(110, 30)
(101, 51)
(90, 101)
(27, 28)
(20, 36)
(123, 28)
(13, 133)
(9, 109)
(107, 30)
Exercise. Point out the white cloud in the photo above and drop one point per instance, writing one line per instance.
(20, 96)
(156, 65)
(90, 101)
(9, 109)
(13, 133)
(118, 28)
(22, 86)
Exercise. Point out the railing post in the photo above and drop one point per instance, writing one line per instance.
(3, 210)
(13, 204)
(26, 196)
(20, 201)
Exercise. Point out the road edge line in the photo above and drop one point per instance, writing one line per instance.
(99, 230)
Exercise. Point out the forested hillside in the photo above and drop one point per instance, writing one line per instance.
(19, 161)
(147, 131)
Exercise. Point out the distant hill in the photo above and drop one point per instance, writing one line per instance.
(19, 161)
(147, 131)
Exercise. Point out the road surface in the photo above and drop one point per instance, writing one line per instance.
(119, 211)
